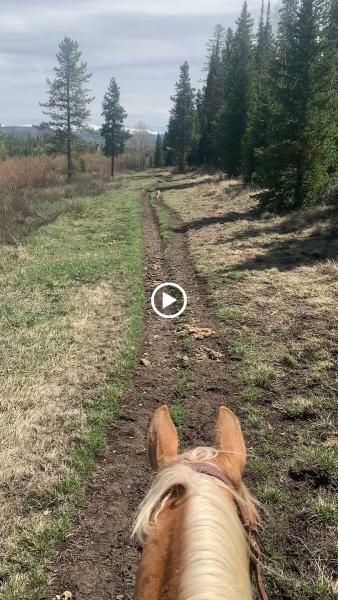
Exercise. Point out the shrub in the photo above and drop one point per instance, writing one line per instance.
(27, 172)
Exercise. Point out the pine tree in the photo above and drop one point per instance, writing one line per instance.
(226, 68)
(180, 130)
(158, 154)
(198, 152)
(168, 153)
(67, 106)
(234, 121)
(318, 160)
(274, 158)
(297, 163)
(256, 137)
(112, 130)
(213, 97)
(3, 149)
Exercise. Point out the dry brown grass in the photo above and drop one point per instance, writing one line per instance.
(274, 283)
(19, 173)
(33, 191)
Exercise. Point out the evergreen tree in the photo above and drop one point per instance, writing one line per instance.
(180, 130)
(273, 159)
(319, 160)
(234, 121)
(112, 130)
(67, 106)
(168, 153)
(213, 98)
(256, 136)
(3, 149)
(158, 154)
(297, 163)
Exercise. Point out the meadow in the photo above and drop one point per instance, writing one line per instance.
(70, 321)
(273, 283)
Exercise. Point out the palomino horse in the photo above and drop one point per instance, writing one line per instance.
(198, 520)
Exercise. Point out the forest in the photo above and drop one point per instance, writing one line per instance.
(268, 110)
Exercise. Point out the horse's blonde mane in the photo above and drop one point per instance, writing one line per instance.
(215, 549)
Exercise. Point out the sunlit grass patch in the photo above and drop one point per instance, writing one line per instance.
(183, 384)
(165, 224)
(259, 375)
(324, 509)
(177, 413)
(270, 495)
(251, 393)
(236, 275)
(228, 313)
(252, 417)
(317, 464)
(237, 349)
(300, 407)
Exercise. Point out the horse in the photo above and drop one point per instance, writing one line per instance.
(197, 523)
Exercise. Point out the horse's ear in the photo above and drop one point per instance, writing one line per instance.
(162, 439)
(229, 441)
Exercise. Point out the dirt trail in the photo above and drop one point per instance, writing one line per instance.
(99, 561)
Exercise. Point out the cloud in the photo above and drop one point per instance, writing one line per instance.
(140, 42)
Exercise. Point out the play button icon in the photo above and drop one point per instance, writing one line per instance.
(167, 300)
(165, 296)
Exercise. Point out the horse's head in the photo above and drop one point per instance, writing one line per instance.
(228, 441)
(199, 504)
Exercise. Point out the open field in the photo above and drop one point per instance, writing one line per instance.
(71, 320)
(273, 284)
(33, 191)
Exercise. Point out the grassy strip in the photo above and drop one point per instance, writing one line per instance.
(164, 224)
(104, 245)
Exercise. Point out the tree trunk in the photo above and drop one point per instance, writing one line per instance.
(69, 145)
(69, 158)
(181, 161)
(112, 165)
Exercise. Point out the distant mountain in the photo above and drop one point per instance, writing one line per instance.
(89, 135)
(25, 131)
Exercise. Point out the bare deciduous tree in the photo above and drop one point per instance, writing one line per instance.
(141, 144)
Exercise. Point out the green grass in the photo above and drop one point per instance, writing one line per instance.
(252, 417)
(317, 464)
(39, 302)
(237, 349)
(165, 224)
(259, 375)
(299, 407)
(237, 275)
(251, 393)
(183, 384)
(228, 313)
(324, 509)
(177, 413)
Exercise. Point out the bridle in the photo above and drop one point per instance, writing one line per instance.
(250, 526)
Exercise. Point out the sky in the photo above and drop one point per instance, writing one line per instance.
(139, 42)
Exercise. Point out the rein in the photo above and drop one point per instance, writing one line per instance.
(250, 527)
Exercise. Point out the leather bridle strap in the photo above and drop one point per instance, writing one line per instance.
(249, 526)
